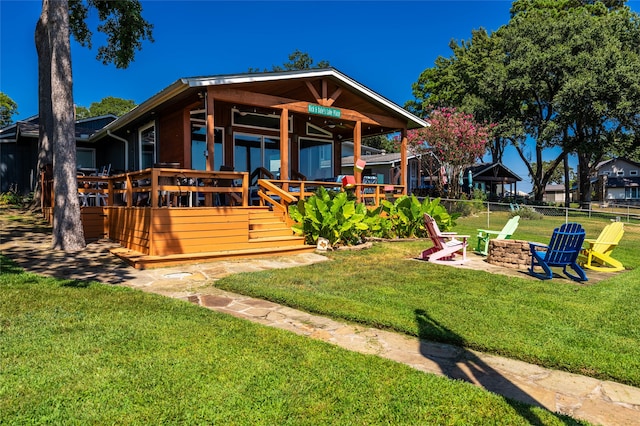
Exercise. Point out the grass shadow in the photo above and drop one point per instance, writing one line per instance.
(456, 362)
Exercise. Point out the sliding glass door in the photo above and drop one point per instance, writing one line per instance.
(253, 151)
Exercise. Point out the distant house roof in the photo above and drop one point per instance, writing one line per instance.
(554, 188)
(613, 160)
(494, 172)
(276, 84)
(30, 128)
(391, 159)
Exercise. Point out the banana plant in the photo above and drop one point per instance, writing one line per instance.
(338, 219)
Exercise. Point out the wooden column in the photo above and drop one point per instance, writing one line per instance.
(211, 131)
(186, 138)
(357, 148)
(284, 144)
(403, 161)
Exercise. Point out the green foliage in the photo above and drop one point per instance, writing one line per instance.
(7, 109)
(381, 142)
(298, 60)
(10, 199)
(334, 217)
(121, 22)
(406, 216)
(467, 207)
(343, 221)
(108, 105)
(527, 213)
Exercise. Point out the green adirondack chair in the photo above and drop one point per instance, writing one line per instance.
(484, 235)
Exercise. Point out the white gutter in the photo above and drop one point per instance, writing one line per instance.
(126, 148)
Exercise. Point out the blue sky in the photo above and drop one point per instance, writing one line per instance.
(384, 45)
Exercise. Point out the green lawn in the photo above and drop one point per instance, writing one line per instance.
(79, 353)
(591, 329)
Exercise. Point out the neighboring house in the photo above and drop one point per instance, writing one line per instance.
(347, 149)
(554, 194)
(385, 168)
(495, 179)
(19, 151)
(617, 180)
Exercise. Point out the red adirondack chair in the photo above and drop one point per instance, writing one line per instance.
(446, 245)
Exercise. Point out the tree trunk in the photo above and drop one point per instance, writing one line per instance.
(45, 115)
(567, 184)
(67, 226)
(584, 184)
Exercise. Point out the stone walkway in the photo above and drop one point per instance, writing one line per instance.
(598, 401)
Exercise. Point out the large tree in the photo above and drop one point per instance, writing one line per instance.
(123, 24)
(561, 73)
(454, 139)
(473, 80)
(575, 66)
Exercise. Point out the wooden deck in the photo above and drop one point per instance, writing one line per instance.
(155, 237)
(163, 217)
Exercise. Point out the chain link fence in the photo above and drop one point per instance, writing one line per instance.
(619, 213)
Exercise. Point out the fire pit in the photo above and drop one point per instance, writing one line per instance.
(509, 254)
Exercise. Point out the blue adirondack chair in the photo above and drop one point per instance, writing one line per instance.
(563, 250)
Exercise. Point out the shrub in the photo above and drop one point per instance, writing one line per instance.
(343, 221)
(527, 213)
(10, 199)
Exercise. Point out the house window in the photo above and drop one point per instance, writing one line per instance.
(147, 142)
(632, 192)
(316, 158)
(257, 120)
(606, 173)
(253, 151)
(633, 173)
(620, 173)
(199, 142)
(86, 158)
(199, 147)
(313, 130)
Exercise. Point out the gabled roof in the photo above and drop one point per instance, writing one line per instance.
(30, 128)
(613, 160)
(389, 158)
(275, 84)
(492, 169)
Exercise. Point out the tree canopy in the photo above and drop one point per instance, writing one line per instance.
(454, 139)
(560, 73)
(298, 60)
(8, 108)
(108, 105)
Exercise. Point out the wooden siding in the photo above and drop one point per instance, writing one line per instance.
(129, 227)
(95, 223)
(170, 138)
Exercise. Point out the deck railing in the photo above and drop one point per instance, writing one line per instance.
(168, 187)
(272, 191)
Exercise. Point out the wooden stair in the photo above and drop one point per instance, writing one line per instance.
(269, 235)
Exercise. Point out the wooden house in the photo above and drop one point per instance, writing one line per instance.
(209, 165)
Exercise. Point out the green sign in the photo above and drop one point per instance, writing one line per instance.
(323, 110)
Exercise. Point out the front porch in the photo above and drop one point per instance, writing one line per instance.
(166, 216)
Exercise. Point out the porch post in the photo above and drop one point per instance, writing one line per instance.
(357, 148)
(403, 161)
(284, 144)
(211, 132)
